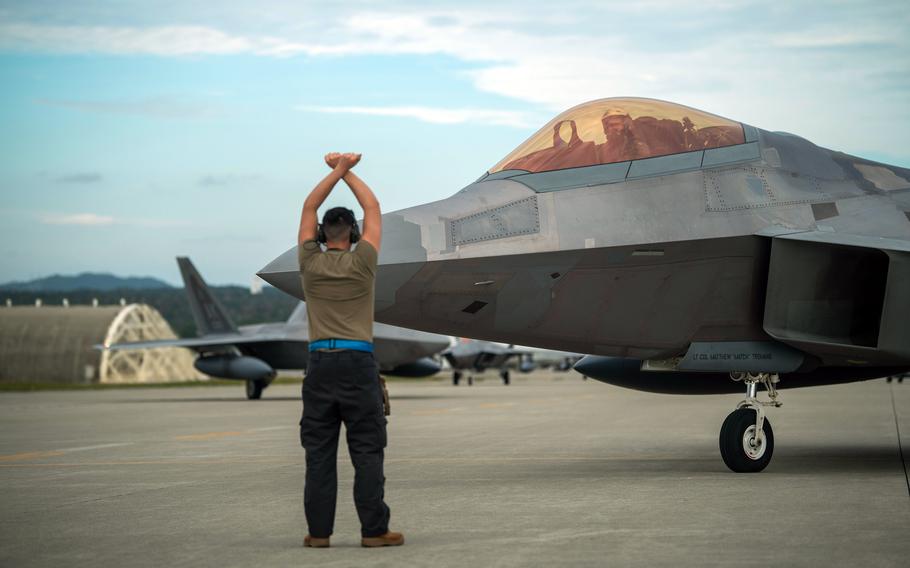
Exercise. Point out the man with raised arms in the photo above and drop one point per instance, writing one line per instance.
(338, 268)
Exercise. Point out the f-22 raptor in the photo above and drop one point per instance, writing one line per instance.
(252, 353)
(474, 356)
(680, 248)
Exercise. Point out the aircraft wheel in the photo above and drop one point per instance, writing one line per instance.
(254, 389)
(456, 377)
(470, 380)
(505, 377)
(739, 447)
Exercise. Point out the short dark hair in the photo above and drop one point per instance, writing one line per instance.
(337, 222)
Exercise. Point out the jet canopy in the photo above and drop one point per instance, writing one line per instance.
(618, 130)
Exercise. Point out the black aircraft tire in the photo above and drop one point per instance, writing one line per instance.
(456, 377)
(470, 380)
(733, 442)
(505, 377)
(254, 389)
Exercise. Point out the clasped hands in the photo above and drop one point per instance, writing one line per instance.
(343, 162)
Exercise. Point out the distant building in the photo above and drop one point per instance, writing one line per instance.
(55, 344)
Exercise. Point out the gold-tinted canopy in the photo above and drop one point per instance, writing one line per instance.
(617, 130)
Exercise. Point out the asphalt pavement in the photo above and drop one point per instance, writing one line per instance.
(549, 471)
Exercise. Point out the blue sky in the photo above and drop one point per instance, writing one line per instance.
(137, 131)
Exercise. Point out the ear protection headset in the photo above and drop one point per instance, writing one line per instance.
(345, 214)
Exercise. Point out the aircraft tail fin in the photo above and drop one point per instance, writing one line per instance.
(299, 316)
(209, 315)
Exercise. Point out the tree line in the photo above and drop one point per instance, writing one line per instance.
(243, 308)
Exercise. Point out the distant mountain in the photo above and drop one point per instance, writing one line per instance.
(86, 281)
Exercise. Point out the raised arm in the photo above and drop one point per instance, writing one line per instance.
(372, 216)
(309, 221)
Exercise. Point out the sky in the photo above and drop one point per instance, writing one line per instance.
(132, 132)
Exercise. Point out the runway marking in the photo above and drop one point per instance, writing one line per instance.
(207, 436)
(54, 453)
(430, 412)
(428, 460)
(216, 435)
(284, 461)
(490, 405)
(485, 406)
(97, 447)
(153, 462)
(30, 456)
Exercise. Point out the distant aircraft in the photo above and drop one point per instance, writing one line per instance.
(690, 248)
(252, 353)
(474, 356)
(468, 356)
(551, 358)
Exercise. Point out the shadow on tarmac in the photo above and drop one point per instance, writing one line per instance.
(800, 460)
(838, 459)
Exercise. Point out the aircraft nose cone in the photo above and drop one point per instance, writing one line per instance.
(284, 273)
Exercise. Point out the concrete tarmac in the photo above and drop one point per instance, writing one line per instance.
(550, 471)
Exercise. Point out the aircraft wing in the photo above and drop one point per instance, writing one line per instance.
(195, 343)
(518, 351)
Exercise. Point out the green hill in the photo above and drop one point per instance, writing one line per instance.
(85, 281)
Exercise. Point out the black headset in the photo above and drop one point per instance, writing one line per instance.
(348, 216)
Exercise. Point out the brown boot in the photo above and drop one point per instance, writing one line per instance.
(388, 539)
(315, 542)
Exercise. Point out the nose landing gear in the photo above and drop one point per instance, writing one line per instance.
(746, 437)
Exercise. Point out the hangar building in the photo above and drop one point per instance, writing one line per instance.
(55, 344)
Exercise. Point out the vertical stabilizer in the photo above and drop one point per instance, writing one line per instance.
(299, 316)
(208, 314)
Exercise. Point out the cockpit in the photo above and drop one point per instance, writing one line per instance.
(615, 130)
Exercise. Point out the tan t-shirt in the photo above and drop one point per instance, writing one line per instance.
(339, 290)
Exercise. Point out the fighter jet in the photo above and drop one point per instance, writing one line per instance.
(252, 353)
(691, 248)
(550, 358)
(473, 356)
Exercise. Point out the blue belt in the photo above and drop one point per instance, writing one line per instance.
(342, 344)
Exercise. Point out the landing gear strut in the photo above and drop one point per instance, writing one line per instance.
(456, 378)
(746, 437)
(254, 389)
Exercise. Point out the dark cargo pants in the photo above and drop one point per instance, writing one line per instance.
(343, 386)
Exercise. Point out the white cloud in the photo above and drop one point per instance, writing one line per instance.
(158, 107)
(95, 220)
(435, 115)
(218, 180)
(832, 38)
(161, 40)
(80, 178)
(718, 55)
(84, 219)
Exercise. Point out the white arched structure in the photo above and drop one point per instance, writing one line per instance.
(140, 322)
